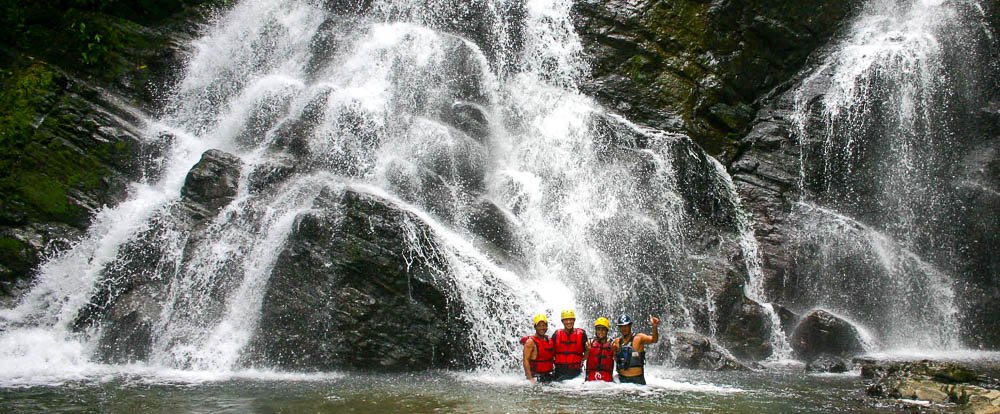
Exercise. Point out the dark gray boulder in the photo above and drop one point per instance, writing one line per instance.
(468, 118)
(823, 334)
(132, 289)
(744, 326)
(694, 351)
(828, 363)
(357, 285)
(212, 182)
(130, 292)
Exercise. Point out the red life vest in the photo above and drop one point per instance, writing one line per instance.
(544, 356)
(569, 348)
(600, 361)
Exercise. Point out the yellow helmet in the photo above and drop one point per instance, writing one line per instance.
(568, 314)
(540, 318)
(602, 321)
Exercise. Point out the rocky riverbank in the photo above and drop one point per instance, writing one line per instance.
(937, 386)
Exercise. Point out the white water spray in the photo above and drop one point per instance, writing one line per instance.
(383, 110)
(875, 150)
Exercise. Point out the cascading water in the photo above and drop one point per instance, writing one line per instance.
(754, 289)
(381, 100)
(878, 148)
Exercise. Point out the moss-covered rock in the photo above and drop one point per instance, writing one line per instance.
(73, 77)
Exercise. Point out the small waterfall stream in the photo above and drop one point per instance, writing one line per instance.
(876, 149)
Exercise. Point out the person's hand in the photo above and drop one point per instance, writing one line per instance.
(654, 320)
(532, 380)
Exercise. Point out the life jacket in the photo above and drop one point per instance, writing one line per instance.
(569, 348)
(600, 361)
(627, 357)
(544, 357)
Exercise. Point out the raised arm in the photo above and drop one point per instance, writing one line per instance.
(647, 339)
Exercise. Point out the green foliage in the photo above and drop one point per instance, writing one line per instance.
(93, 51)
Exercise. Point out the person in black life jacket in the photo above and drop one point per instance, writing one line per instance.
(539, 353)
(571, 346)
(630, 351)
(600, 355)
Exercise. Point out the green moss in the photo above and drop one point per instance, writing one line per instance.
(45, 194)
(13, 254)
(680, 25)
(39, 168)
(637, 68)
(25, 97)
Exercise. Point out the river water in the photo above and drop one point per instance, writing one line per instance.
(780, 389)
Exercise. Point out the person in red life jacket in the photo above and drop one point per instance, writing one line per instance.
(600, 355)
(539, 353)
(630, 351)
(571, 346)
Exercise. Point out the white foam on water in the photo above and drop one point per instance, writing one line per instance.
(44, 357)
(916, 354)
(39, 357)
(658, 381)
(921, 403)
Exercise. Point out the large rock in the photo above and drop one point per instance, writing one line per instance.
(357, 286)
(212, 182)
(744, 326)
(821, 333)
(132, 289)
(497, 229)
(695, 351)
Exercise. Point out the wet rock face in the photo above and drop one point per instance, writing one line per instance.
(212, 182)
(766, 176)
(347, 292)
(131, 291)
(822, 334)
(744, 326)
(697, 66)
(694, 351)
(66, 150)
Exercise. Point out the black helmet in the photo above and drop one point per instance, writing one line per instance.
(624, 320)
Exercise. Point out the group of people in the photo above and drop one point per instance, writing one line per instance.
(562, 356)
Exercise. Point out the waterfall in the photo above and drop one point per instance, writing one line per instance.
(437, 110)
(877, 148)
(754, 289)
